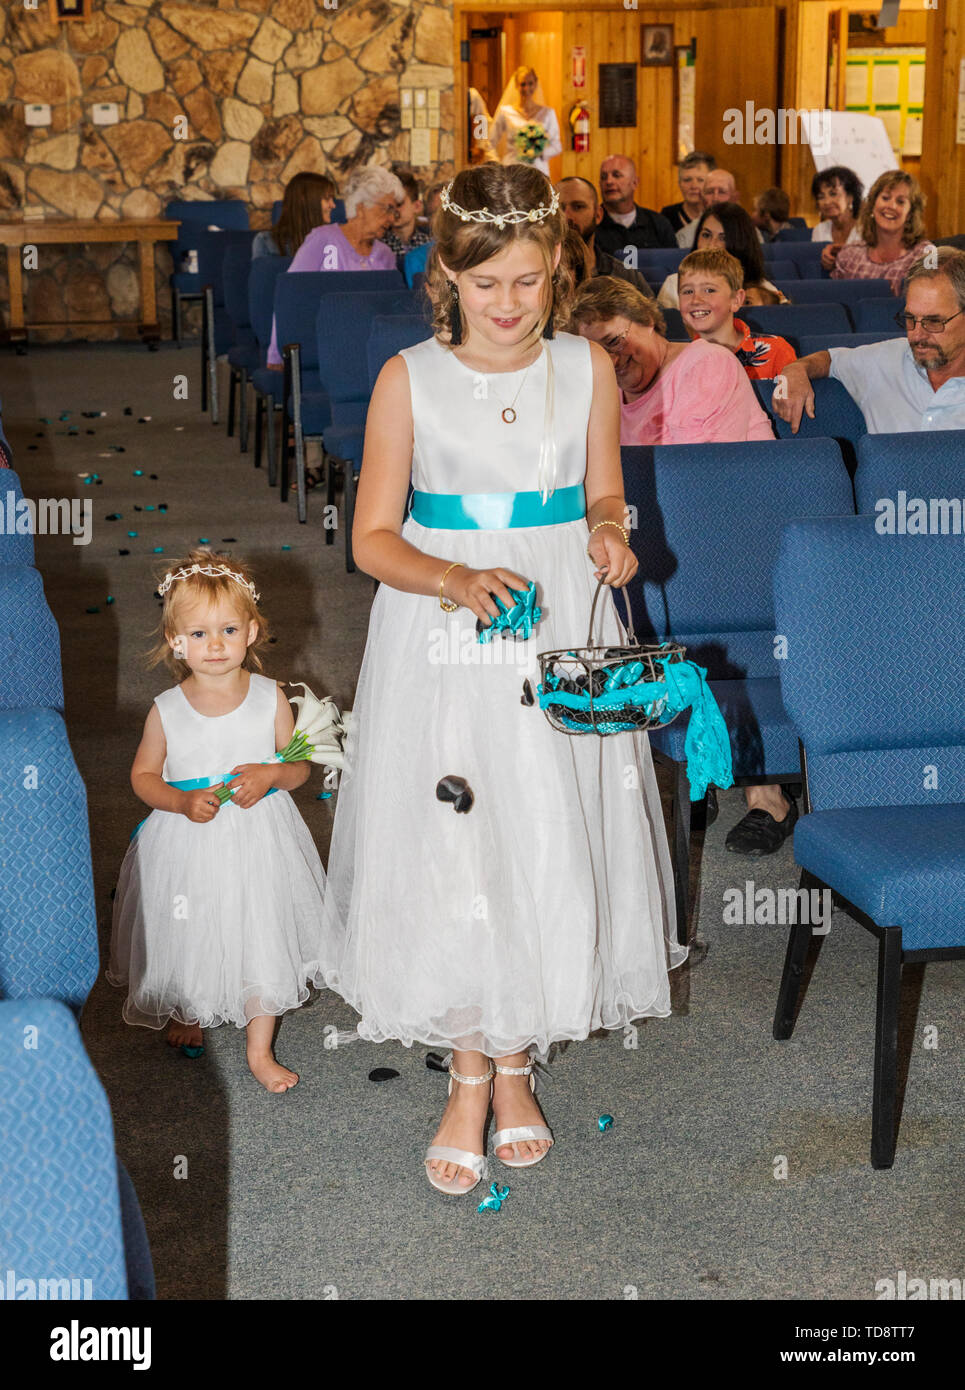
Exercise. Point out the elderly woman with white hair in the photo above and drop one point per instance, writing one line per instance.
(372, 197)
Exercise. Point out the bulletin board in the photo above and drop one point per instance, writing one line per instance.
(889, 83)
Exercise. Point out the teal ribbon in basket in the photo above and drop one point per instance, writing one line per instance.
(196, 784)
(684, 686)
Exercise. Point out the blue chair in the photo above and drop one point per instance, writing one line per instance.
(15, 549)
(846, 292)
(267, 383)
(666, 259)
(30, 672)
(676, 332)
(308, 404)
(875, 628)
(818, 342)
(705, 580)
(48, 925)
(782, 270)
(243, 354)
(798, 231)
(796, 319)
(72, 1227)
(343, 324)
(836, 416)
(878, 315)
(194, 217)
(806, 255)
(921, 463)
(216, 327)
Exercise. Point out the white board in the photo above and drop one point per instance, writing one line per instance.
(857, 141)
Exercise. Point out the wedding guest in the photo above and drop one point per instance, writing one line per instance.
(891, 227)
(711, 293)
(307, 204)
(837, 192)
(407, 232)
(691, 175)
(719, 186)
(771, 211)
(625, 223)
(581, 208)
(729, 227)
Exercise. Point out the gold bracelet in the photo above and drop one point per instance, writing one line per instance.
(626, 538)
(446, 604)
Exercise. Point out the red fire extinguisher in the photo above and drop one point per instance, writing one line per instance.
(580, 125)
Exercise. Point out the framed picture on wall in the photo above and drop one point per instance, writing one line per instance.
(656, 45)
(69, 9)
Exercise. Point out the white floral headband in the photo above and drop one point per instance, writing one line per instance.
(213, 570)
(514, 215)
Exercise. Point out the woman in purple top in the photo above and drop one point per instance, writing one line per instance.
(372, 197)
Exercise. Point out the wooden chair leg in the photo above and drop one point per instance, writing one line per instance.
(681, 850)
(794, 961)
(883, 1114)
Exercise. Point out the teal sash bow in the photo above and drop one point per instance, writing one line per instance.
(196, 784)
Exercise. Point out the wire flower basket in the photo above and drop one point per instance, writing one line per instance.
(608, 690)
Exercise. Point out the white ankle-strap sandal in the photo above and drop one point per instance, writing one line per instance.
(476, 1163)
(522, 1132)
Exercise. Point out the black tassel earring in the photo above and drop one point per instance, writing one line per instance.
(455, 317)
(548, 330)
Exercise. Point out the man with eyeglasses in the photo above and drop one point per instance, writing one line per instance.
(912, 383)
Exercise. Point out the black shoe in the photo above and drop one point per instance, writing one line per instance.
(759, 833)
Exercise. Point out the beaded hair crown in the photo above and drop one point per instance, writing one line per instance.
(500, 219)
(215, 571)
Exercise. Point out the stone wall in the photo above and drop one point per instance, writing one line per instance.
(218, 99)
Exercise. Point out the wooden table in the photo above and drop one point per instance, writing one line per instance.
(55, 232)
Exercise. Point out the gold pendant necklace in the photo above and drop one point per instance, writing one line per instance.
(508, 414)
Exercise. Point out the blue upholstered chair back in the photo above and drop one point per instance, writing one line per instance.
(794, 233)
(928, 464)
(235, 271)
(298, 298)
(48, 926)
(845, 292)
(796, 319)
(212, 248)
(343, 324)
(195, 216)
(265, 270)
(667, 258)
(30, 672)
(14, 549)
(60, 1213)
(820, 342)
(782, 270)
(707, 527)
(389, 335)
(873, 315)
(875, 626)
(836, 414)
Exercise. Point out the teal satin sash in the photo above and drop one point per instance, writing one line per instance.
(496, 511)
(196, 784)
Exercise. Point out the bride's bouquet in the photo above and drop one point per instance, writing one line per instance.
(530, 141)
(319, 737)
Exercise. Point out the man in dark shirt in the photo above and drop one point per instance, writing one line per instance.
(581, 208)
(624, 223)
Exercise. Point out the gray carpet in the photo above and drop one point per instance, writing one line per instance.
(323, 1189)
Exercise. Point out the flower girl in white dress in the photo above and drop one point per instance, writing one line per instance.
(535, 904)
(217, 914)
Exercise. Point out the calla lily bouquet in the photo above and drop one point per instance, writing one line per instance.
(319, 737)
(530, 141)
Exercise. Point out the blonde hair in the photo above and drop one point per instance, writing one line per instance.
(605, 297)
(911, 232)
(205, 588)
(714, 261)
(464, 245)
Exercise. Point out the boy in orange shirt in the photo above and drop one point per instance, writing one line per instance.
(711, 290)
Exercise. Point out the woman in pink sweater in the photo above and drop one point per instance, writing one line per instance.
(671, 393)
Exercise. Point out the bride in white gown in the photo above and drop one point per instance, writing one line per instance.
(522, 104)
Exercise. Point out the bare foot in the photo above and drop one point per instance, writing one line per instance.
(513, 1105)
(272, 1075)
(184, 1034)
(462, 1126)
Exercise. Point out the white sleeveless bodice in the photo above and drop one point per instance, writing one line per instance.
(461, 443)
(199, 746)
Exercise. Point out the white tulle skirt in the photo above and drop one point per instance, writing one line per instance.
(547, 910)
(218, 923)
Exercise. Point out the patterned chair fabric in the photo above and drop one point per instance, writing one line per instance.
(30, 671)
